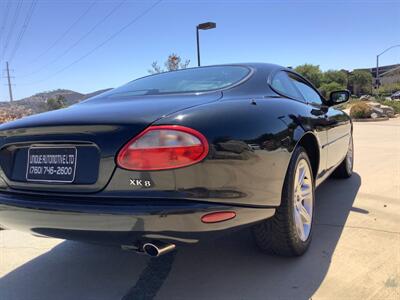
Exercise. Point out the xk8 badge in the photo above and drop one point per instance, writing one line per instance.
(140, 183)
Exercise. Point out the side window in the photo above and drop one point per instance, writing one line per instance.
(309, 94)
(282, 83)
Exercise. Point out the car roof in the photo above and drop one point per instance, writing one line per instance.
(259, 65)
(254, 65)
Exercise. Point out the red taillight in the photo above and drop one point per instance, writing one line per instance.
(163, 147)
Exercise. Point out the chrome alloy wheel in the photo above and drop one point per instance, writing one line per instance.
(303, 200)
(349, 157)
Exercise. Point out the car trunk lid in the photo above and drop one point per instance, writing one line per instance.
(97, 129)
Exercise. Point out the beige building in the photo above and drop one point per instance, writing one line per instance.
(390, 76)
(387, 75)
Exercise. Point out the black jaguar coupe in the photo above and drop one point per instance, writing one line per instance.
(174, 158)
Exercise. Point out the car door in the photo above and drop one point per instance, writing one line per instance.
(339, 134)
(337, 123)
(283, 82)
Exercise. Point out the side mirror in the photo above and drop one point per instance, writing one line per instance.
(338, 97)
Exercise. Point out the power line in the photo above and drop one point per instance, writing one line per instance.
(23, 29)
(3, 26)
(6, 12)
(13, 23)
(62, 36)
(78, 41)
(5, 18)
(114, 35)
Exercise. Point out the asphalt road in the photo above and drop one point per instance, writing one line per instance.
(355, 253)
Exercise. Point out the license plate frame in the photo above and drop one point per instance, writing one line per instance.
(48, 169)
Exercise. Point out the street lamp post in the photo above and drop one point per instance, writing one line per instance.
(377, 63)
(202, 26)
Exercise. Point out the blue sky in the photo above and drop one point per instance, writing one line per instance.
(332, 34)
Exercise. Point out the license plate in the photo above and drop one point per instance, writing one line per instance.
(51, 164)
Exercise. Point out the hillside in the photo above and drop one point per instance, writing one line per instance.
(37, 103)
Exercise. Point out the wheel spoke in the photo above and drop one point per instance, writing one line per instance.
(349, 157)
(305, 191)
(305, 216)
(302, 175)
(299, 225)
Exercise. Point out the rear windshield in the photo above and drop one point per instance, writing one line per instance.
(183, 81)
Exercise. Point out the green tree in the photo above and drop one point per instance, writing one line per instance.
(327, 88)
(361, 82)
(54, 104)
(173, 62)
(339, 77)
(311, 72)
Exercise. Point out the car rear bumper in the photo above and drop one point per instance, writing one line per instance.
(114, 222)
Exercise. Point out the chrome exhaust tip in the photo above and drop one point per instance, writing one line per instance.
(156, 248)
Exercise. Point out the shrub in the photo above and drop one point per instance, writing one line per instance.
(389, 89)
(394, 104)
(360, 111)
(54, 104)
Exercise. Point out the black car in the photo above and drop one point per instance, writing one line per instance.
(177, 157)
(395, 96)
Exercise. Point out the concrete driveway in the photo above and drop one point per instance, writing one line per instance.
(355, 253)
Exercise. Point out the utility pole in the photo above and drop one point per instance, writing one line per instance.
(9, 83)
(377, 64)
(377, 72)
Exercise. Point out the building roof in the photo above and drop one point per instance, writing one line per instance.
(382, 69)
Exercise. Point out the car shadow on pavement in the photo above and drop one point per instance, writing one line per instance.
(228, 268)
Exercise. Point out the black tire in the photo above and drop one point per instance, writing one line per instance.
(345, 169)
(278, 235)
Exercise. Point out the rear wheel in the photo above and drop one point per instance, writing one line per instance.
(289, 232)
(345, 169)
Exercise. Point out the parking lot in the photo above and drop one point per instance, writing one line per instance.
(355, 253)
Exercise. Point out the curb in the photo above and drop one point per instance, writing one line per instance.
(371, 120)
